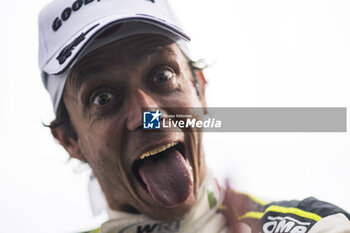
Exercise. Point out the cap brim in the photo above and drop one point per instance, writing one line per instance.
(70, 51)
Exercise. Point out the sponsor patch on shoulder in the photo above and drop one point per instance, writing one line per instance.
(285, 224)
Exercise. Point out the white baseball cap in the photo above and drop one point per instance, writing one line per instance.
(70, 29)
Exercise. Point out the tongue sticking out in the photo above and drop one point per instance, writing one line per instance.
(168, 178)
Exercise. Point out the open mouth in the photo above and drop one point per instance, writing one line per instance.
(164, 172)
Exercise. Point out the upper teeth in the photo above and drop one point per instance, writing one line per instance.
(157, 150)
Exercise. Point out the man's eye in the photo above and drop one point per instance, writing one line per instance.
(163, 76)
(103, 98)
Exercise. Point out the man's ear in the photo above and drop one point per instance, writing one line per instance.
(69, 144)
(202, 82)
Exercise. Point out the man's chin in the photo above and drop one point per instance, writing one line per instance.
(177, 212)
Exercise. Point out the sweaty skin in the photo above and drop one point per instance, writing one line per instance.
(105, 96)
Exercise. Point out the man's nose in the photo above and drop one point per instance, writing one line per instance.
(137, 102)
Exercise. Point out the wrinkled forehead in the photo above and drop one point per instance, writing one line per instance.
(132, 50)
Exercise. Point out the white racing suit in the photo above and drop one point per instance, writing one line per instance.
(251, 215)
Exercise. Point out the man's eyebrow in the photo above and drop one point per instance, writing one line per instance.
(92, 70)
(151, 46)
(77, 77)
(152, 50)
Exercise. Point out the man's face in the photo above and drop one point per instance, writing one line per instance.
(105, 97)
